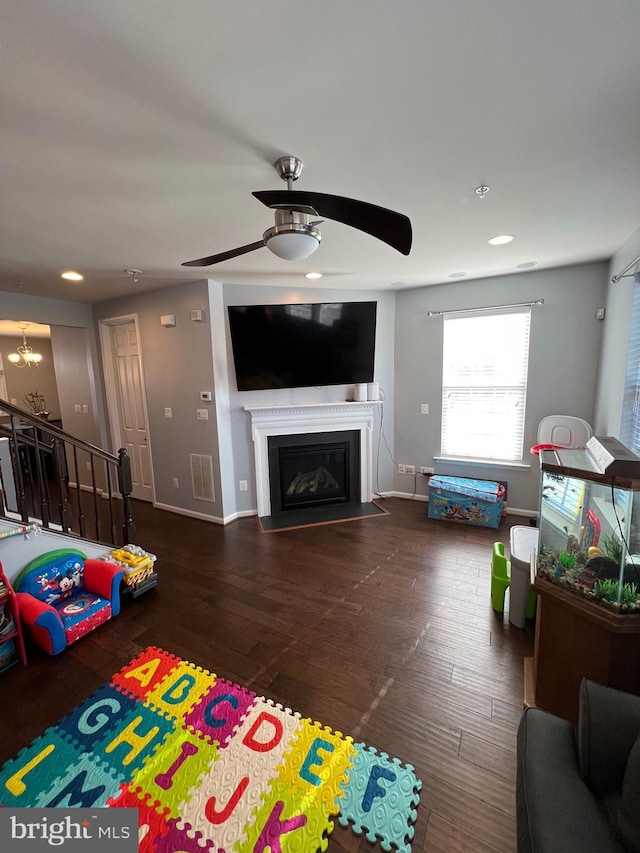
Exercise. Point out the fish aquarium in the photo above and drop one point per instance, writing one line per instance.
(589, 541)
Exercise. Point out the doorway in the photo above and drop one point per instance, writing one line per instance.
(126, 403)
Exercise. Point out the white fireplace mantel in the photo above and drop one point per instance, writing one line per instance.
(305, 418)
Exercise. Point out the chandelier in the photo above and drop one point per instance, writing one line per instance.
(25, 356)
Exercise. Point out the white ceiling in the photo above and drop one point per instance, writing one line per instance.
(132, 133)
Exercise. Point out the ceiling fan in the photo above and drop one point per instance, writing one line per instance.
(295, 235)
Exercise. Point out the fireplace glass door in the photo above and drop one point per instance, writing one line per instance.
(313, 470)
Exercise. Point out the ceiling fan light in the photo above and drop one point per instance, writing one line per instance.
(293, 247)
(293, 241)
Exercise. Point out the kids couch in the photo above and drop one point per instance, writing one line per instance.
(62, 596)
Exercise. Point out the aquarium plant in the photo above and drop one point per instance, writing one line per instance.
(566, 559)
(611, 546)
(609, 590)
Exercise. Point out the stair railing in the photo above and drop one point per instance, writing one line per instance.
(42, 478)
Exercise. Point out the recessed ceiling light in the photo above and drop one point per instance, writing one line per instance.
(313, 275)
(527, 265)
(70, 275)
(457, 274)
(500, 239)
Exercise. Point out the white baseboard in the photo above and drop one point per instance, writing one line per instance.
(214, 519)
(247, 513)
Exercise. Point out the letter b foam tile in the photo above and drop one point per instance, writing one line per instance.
(380, 799)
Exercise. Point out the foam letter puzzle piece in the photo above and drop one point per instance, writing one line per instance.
(380, 798)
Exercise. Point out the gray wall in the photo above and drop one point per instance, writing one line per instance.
(71, 354)
(74, 366)
(239, 420)
(563, 365)
(615, 341)
(178, 365)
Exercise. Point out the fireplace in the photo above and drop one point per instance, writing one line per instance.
(311, 420)
(313, 469)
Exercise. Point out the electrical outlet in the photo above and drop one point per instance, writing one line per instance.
(430, 470)
(401, 469)
(202, 414)
(410, 469)
(174, 482)
(424, 408)
(243, 485)
(168, 412)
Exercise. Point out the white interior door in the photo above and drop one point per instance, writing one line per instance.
(129, 398)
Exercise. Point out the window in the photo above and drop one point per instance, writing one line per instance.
(630, 423)
(484, 384)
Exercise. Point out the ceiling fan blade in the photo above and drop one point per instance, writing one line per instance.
(224, 256)
(384, 224)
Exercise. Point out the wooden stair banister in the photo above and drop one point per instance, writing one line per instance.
(46, 469)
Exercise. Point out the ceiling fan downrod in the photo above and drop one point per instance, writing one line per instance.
(289, 169)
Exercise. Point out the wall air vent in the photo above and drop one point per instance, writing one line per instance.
(202, 477)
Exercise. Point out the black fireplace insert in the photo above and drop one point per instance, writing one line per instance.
(314, 469)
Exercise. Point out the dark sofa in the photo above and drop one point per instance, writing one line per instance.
(579, 789)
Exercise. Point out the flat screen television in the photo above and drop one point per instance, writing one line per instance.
(296, 346)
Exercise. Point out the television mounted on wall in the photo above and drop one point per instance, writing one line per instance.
(302, 345)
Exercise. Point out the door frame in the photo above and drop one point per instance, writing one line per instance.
(115, 426)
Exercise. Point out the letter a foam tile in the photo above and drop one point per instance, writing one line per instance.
(380, 799)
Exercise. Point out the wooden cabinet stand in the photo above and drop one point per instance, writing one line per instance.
(577, 639)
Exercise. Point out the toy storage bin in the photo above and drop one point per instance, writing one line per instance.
(474, 502)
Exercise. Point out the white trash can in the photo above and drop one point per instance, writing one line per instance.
(522, 541)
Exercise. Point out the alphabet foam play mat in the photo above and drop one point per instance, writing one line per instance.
(212, 766)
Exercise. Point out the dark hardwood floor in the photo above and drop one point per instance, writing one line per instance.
(381, 628)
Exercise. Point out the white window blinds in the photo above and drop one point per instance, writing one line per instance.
(630, 423)
(484, 384)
